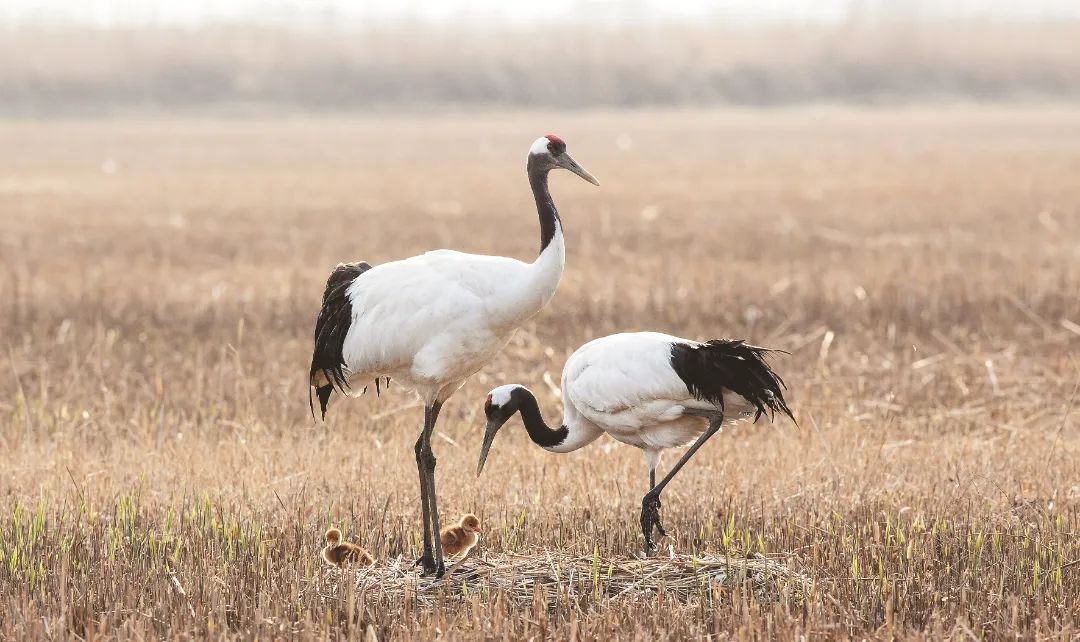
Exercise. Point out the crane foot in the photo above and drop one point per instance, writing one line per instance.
(438, 570)
(650, 518)
(429, 566)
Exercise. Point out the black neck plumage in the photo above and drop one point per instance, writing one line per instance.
(545, 206)
(540, 433)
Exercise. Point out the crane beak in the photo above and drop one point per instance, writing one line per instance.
(489, 437)
(566, 161)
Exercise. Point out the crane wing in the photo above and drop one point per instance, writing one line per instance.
(716, 367)
(628, 381)
(331, 327)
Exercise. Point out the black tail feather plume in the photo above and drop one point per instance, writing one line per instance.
(323, 392)
(710, 368)
(331, 327)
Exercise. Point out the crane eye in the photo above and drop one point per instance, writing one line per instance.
(487, 402)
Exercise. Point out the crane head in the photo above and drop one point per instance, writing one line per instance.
(499, 407)
(549, 152)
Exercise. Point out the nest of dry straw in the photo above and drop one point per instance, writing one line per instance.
(682, 577)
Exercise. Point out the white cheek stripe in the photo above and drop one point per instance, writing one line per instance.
(501, 395)
(539, 146)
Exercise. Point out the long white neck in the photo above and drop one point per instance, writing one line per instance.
(529, 295)
(548, 267)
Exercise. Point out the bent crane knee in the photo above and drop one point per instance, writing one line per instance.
(427, 458)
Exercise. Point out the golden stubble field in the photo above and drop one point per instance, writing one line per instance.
(162, 477)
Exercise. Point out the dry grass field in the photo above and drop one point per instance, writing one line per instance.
(162, 476)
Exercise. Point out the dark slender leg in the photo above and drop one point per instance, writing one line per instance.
(650, 504)
(656, 520)
(427, 559)
(427, 458)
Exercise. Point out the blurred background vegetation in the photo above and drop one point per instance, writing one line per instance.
(113, 56)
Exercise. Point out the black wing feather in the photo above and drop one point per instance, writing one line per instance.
(333, 323)
(710, 368)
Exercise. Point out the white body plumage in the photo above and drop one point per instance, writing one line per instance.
(431, 321)
(624, 385)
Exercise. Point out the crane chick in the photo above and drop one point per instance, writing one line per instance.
(341, 554)
(461, 537)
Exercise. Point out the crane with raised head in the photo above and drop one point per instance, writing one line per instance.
(431, 321)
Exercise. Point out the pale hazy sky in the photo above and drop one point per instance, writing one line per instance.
(328, 13)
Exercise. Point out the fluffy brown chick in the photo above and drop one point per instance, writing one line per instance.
(342, 554)
(461, 537)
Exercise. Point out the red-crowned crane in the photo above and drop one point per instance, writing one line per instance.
(431, 321)
(650, 390)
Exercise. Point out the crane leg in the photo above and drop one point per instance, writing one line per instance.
(650, 504)
(427, 560)
(433, 555)
(656, 522)
(650, 517)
